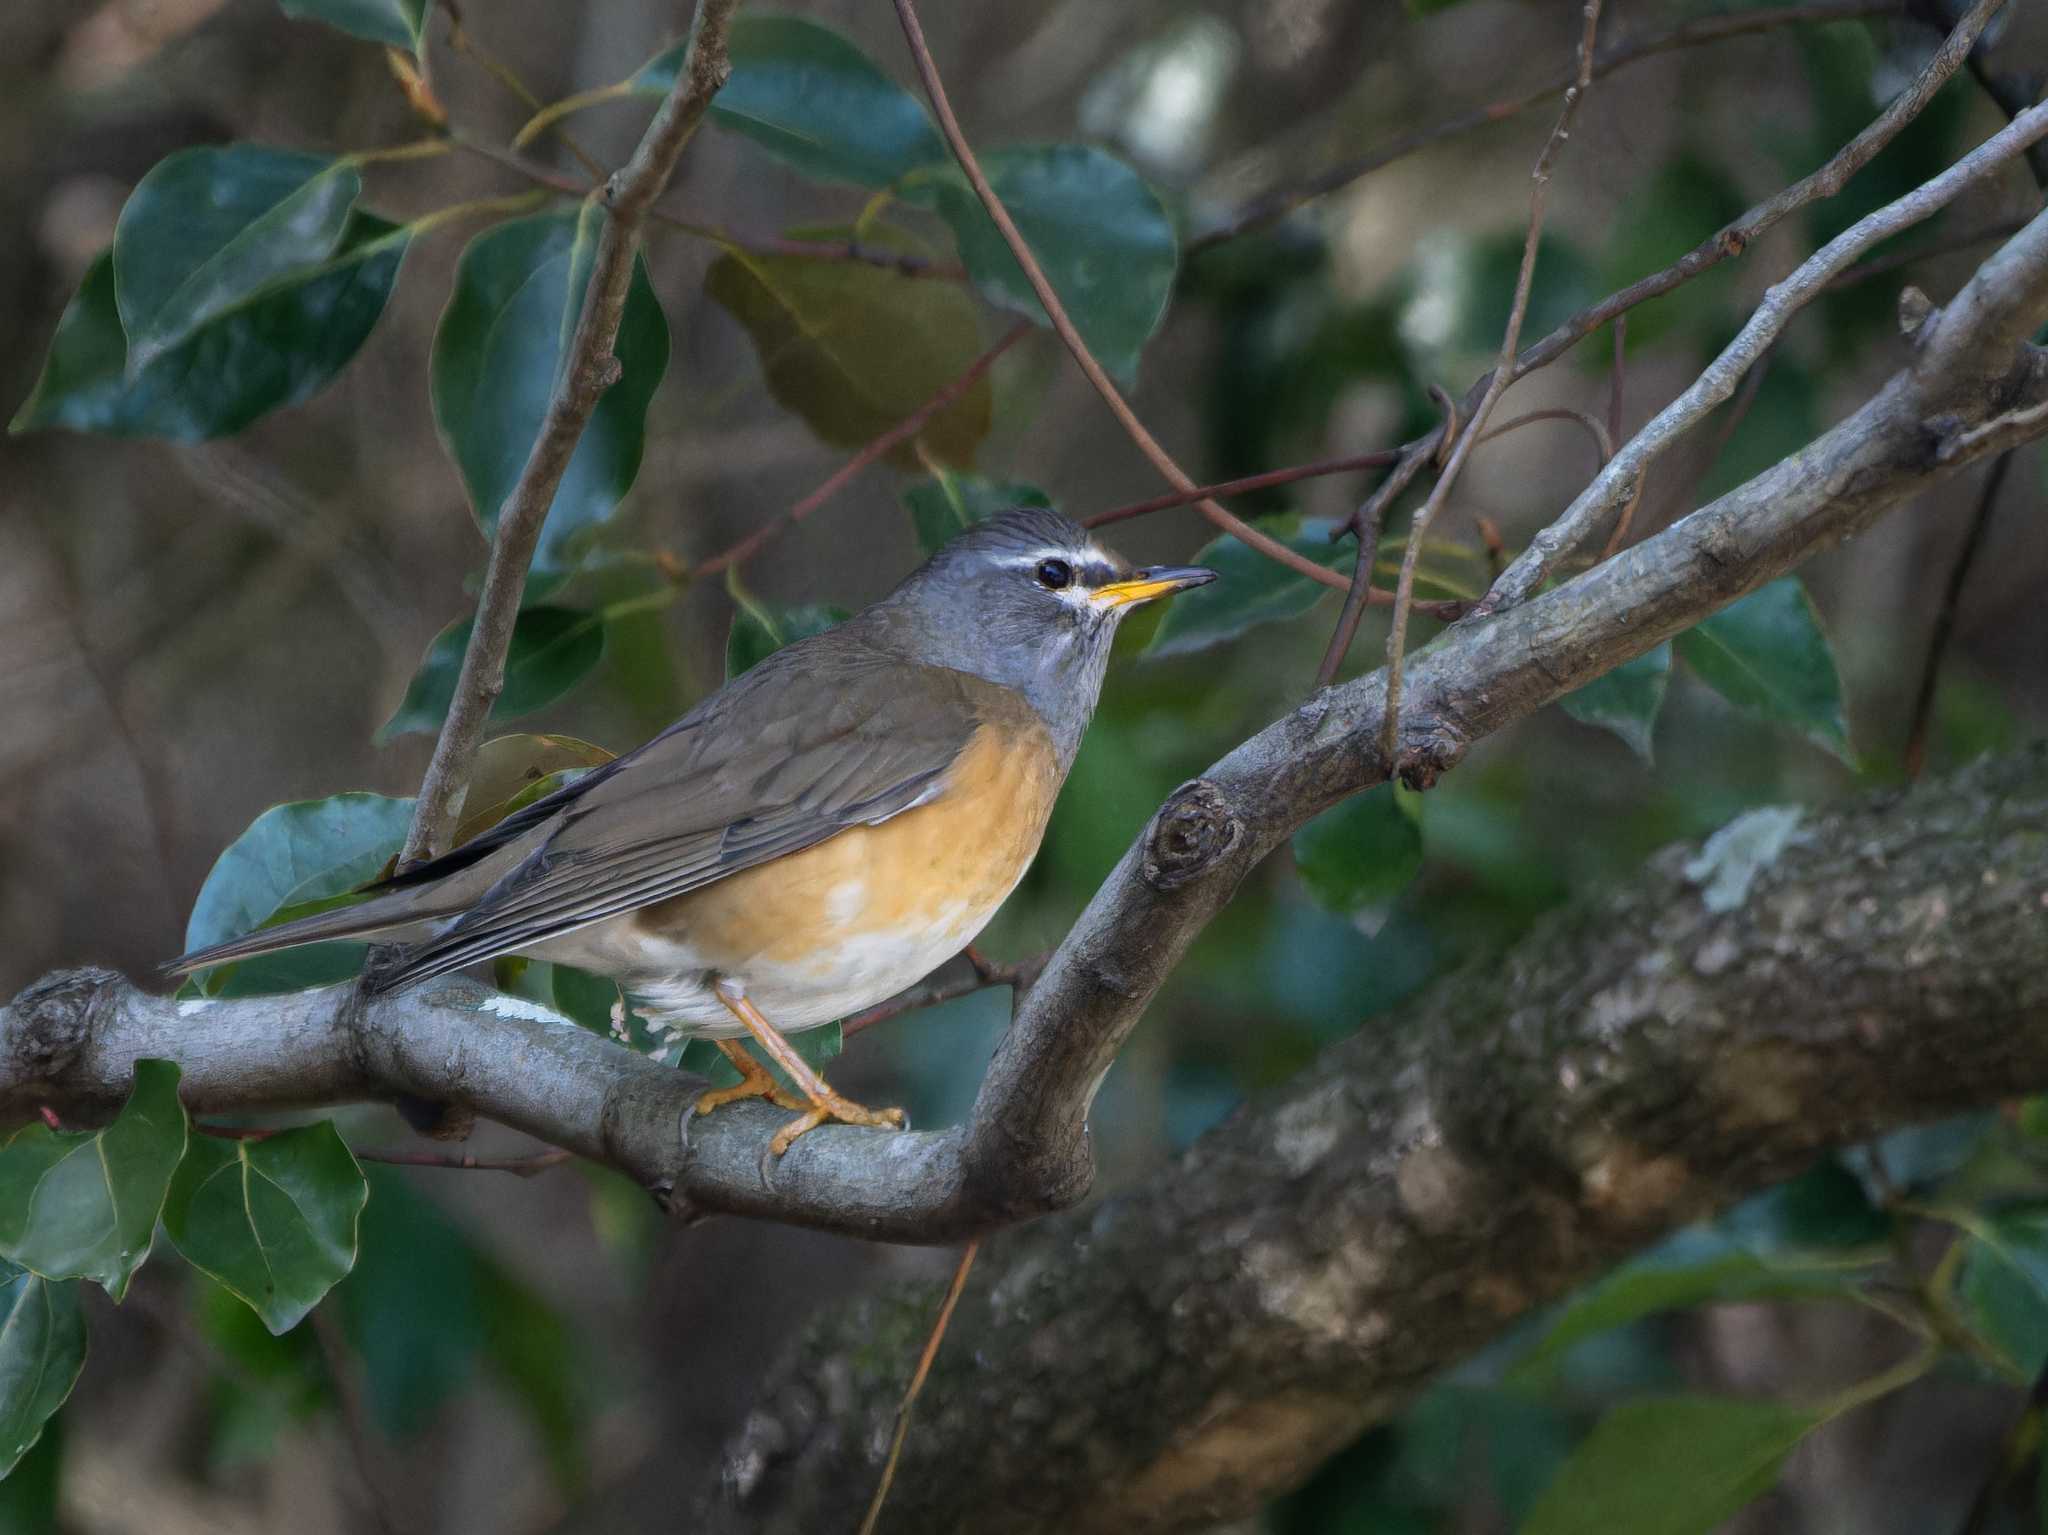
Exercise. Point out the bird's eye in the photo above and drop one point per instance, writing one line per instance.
(1054, 574)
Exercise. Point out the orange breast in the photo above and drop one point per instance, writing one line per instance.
(934, 874)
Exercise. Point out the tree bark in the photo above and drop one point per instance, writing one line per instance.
(1185, 1350)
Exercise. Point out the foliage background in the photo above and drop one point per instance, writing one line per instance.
(190, 633)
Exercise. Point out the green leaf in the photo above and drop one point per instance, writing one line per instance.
(1768, 655)
(1625, 700)
(208, 230)
(1250, 589)
(1099, 232)
(497, 353)
(28, 1493)
(42, 1350)
(83, 1204)
(412, 1307)
(1362, 853)
(811, 98)
(399, 23)
(553, 649)
(854, 348)
(1671, 1466)
(278, 348)
(511, 772)
(273, 1220)
(291, 855)
(951, 503)
(1697, 1267)
(2005, 1285)
(589, 1001)
(759, 629)
(533, 1350)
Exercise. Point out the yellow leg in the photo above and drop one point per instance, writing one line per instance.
(825, 1106)
(754, 1082)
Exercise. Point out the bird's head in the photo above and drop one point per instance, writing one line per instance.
(1029, 600)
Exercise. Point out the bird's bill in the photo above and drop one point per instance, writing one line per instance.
(1154, 581)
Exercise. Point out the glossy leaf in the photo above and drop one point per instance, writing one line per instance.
(1625, 700)
(1768, 655)
(497, 353)
(553, 649)
(1697, 1267)
(399, 23)
(207, 230)
(279, 348)
(759, 629)
(273, 1220)
(950, 503)
(1250, 589)
(2005, 1285)
(83, 1204)
(811, 98)
(1099, 232)
(292, 855)
(853, 348)
(1671, 1466)
(1361, 854)
(42, 1350)
(28, 1493)
(595, 1002)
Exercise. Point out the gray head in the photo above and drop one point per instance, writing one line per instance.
(1029, 601)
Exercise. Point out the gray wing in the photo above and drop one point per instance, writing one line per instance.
(741, 779)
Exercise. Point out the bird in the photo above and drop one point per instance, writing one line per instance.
(822, 832)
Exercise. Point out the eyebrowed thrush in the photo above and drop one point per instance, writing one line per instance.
(822, 832)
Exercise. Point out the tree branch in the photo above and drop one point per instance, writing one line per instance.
(588, 370)
(1178, 1354)
(70, 1042)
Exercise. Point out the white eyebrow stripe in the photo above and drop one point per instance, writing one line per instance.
(1095, 554)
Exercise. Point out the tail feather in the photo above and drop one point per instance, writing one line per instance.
(380, 914)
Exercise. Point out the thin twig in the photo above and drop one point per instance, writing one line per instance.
(1273, 206)
(355, 1418)
(1593, 426)
(1366, 524)
(901, 432)
(1018, 977)
(949, 125)
(917, 1378)
(522, 1167)
(461, 41)
(1243, 486)
(1473, 434)
(1784, 299)
(589, 369)
(1945, 616)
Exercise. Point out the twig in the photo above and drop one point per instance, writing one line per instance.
(1018, 977)
(460, 40)
(1603, 439)
(588, 371)
(901, 432)
(917, 1378)
(949, 125)
(522, 1167)
(1945, 616)
(1273, 206)
(1366, 524)
(1783, 300)
(348, 1395)
(1246, 484)
(1539, 199)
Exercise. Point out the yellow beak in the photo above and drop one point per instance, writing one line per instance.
(1153, 581)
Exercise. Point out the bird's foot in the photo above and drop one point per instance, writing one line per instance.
(754, 1082)
(830, 1108)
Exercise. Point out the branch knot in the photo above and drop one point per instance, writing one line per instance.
(1193, 832)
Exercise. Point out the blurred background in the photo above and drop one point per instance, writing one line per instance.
(190, 633)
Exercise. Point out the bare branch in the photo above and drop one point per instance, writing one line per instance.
(588, 370)
(1638, 1060)
(1471, 436)
(1784, 300)
(1049, 300)
(1273, 206)
(1945, 616)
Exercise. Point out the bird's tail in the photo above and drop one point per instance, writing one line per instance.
(388, 913)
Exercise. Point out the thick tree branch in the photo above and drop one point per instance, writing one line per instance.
(589, 369)
(1187, 1350)
(1025, 1150)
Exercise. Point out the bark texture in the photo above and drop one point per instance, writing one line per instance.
(1185, 1350)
